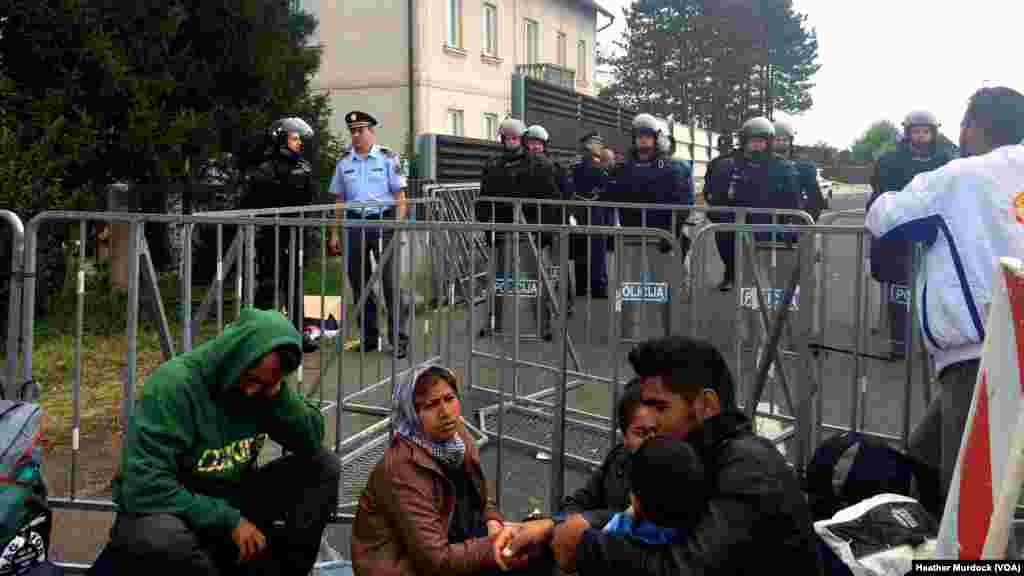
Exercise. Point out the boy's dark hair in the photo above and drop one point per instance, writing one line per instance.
(1000, 112)
(687, 366)
(628, 404)
(667, 477)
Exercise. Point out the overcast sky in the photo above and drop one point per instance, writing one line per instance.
(883, 58)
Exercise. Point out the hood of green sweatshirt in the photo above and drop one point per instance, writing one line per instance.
(243, 343)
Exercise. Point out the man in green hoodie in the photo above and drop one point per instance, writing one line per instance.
(190, 497)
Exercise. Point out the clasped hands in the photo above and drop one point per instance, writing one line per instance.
(515, 545)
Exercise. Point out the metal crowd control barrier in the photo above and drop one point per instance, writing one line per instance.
(859, 349)
(806, 407)
(359, 450)
(138, 254)
(13, 301)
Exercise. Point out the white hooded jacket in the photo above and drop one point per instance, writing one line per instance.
(969, 213)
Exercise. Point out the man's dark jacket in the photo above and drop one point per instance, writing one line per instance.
(757, 517)
(606, 491)
(890, 258)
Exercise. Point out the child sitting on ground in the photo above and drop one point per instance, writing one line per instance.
(667, 494)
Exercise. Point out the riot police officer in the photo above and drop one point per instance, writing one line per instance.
(503, 175)
(648, 176)
(890, 259)
(545, 178)
(515, 173)
(805, 172)
(752, 178)
(284, 178)
(725, 150)
(589, 182)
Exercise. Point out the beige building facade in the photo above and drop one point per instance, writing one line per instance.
(460, 55)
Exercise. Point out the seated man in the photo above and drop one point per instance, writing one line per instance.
(667, 496)
(190, 499)
(607, 490)
(755, 508)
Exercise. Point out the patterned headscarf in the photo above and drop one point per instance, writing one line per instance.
(451, 453)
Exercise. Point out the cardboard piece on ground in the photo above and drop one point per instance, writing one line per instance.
(986, 483)
(311, 307)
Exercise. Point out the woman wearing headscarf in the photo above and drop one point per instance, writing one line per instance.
(425, 509)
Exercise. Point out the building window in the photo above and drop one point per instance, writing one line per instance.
(490, 127)
(455, 125)
(581, 61)
(455, 23)
(562, 56)
(532, 42)
(490, 25)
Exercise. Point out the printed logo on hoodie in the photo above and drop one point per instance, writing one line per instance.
(238, 453)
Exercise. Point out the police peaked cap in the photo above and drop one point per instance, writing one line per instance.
(357, 119)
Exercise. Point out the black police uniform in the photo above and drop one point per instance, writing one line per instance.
(516, 174)
(503, 176)
(890, 258)
(742, 181)
(284, 179)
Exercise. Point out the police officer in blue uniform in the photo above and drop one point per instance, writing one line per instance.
(805, 171)
(753, 178)
(284, 178)
(890, 259)
(722, 239)
(368, 172)
(649, 176)
(589, 181)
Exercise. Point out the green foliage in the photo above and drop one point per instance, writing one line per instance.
(714, 62)
(96, 92)
(880, 138)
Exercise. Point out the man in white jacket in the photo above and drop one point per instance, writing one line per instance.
(968, 213)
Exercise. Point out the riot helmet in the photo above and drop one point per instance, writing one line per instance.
(921, 118)
(759, 127)
(784, 129)
(646, 125)
(290, 133)
(536, 134)
(510, 132)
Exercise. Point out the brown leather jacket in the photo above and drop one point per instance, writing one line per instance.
(401, 526)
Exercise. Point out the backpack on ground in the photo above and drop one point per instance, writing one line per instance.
(849, 468)
(25, 516)
(880, 536)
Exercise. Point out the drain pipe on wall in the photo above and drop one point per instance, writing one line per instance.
(412, 80)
